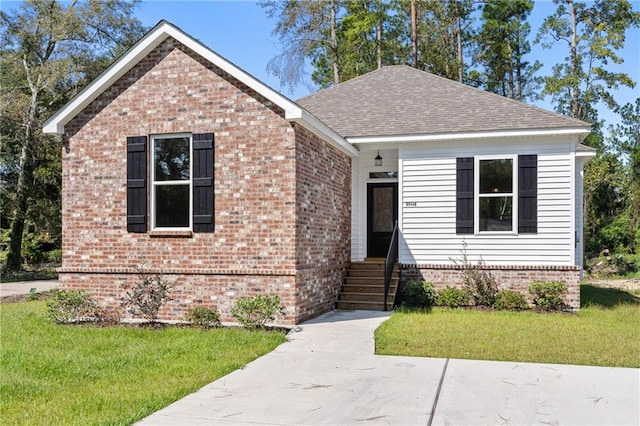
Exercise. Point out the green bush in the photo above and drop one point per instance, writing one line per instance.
(618, 235)
(71, 306)
(203, 317)
(419, 294)
(548, 294)
(453, 297)
(256, 311)
(53, 256)
(510, 300)
(37, 248)
(147, 294)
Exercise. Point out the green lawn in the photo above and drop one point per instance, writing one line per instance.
(62, 374)
(605, 332)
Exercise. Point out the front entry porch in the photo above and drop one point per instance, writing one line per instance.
(364, 286)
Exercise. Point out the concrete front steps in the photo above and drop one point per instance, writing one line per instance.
(364, 287)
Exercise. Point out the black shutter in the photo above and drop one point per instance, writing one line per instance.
(464, 195)
(203, 182)
(137, 184)
(527, 194)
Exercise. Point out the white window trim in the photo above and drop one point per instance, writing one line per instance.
(171, 182)
(513, 194)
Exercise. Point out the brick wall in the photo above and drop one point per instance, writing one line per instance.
(323, 223)
(508, 277)
(257, 197)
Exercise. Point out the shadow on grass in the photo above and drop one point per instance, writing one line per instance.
(605, 297)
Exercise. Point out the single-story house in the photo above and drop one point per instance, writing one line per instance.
(177, 159)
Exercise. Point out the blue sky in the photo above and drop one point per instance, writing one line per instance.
(240, 31)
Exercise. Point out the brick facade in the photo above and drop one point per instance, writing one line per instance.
(282, 208)
(323, 223)
(515, 278)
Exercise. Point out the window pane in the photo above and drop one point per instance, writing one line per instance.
(171, 159)
(495, 213)
(496, 176)
(172, 206)
(383, 209)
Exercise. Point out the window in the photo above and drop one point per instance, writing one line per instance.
(495, 194)
(177, 192)
(171, 177)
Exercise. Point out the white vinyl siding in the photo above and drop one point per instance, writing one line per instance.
(428, 211)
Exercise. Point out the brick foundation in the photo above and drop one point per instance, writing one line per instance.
(515, 278)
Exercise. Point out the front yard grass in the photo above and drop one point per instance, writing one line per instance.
(65, 374)
(605, 332)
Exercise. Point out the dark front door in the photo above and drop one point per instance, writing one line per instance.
(382, 214)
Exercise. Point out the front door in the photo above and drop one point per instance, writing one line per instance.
(382, 214)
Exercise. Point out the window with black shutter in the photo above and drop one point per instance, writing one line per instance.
(486, 191)
(181, 183)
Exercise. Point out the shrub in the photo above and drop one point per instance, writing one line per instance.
(53, 256)
(71, 306)
(256, 311)
(419, 294)
(203, 317)
(453, 297)
(479, 282)
(146, 296)
(510, 300)
(548, 294)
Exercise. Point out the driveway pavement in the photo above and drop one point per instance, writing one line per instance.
(24, 287)
(327, 374)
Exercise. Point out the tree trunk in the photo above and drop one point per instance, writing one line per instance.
(518, 63)
(334, 43)
(379, 35)
(575, 95)
(14, 255)
(459, 43)
(414, 34)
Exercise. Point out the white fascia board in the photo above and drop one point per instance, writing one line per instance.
(399, 139)
(55, 124)
(310, 122)
(586, 154)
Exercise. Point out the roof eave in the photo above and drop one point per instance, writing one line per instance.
(317, 127)
(581, 132)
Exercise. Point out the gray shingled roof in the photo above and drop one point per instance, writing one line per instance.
(400, 100)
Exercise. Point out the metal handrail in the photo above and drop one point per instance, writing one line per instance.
(389, 262)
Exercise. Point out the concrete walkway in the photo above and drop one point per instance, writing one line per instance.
(24, 287)
(327, 374)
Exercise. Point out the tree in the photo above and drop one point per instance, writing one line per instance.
(307, 29)
(443, 32)
(625, 140)
(592, 35)
(368, 36)
(49, 51)
(502, 44)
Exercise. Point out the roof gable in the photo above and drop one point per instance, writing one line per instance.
(163, 30)
(400, 101)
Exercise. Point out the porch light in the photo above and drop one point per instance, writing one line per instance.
(378, 160)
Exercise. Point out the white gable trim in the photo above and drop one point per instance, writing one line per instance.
(293, 112)
(582, 132)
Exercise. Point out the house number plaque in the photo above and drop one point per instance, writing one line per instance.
(410, 204)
